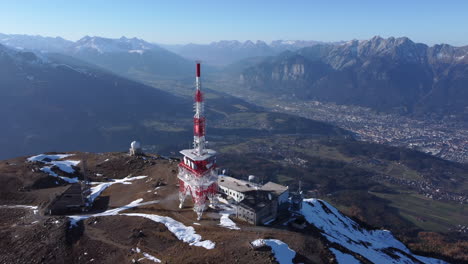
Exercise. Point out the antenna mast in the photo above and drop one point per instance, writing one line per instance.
(199, 121)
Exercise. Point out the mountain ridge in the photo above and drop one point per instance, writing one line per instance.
(124, 56)
(225, 52)
(393, 74)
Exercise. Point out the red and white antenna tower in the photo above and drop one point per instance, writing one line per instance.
(197, 174)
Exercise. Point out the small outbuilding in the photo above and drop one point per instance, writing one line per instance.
(135, 149)
(72, 200)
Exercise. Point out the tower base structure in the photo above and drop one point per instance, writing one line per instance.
(198, 179)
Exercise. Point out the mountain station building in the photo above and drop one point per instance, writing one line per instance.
(255, 203)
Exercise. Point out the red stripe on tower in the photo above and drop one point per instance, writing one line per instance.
(199, 127)
(198, 96)
(198, 69)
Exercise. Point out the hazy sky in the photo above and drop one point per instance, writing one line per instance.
(202, 21)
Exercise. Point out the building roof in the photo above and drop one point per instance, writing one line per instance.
(71, 197)
(278, 189)
(191, 153)
(236, 184)
(257, 200)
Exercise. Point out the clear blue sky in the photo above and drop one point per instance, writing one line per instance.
(175, 21)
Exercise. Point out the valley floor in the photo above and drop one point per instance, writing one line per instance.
(446, 138)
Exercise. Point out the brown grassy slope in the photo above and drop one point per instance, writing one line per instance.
(110, 239)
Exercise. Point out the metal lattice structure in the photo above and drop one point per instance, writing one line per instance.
(197, 171)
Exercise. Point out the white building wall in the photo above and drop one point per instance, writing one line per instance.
(237, 196)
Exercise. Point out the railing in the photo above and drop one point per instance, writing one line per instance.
(204, 179)
(198, 172)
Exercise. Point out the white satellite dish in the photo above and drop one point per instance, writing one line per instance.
(135, 145)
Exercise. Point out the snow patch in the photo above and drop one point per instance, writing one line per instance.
(185, 233)
(343, 258)
(146, 255)
(428, 260)
(281, 250)
(66, 165)
(101, 186)
(52, 161)
(340, 229)
(32, 207)
(136, 51)
(74, 219)
(225, 221)
(48, 170)
(42, 157)
(258, 243)
(150, 257)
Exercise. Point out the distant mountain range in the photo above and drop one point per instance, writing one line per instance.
(129, 57)
(393, 74)
(133, 56)
(229, 51)
(36, 43)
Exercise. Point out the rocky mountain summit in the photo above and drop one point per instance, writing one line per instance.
(393, 74)
(135, 217)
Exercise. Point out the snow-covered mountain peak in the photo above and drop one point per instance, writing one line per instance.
(84, 39)
(248, 44)
(225, 44)
(107, 45)
(284, 42)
